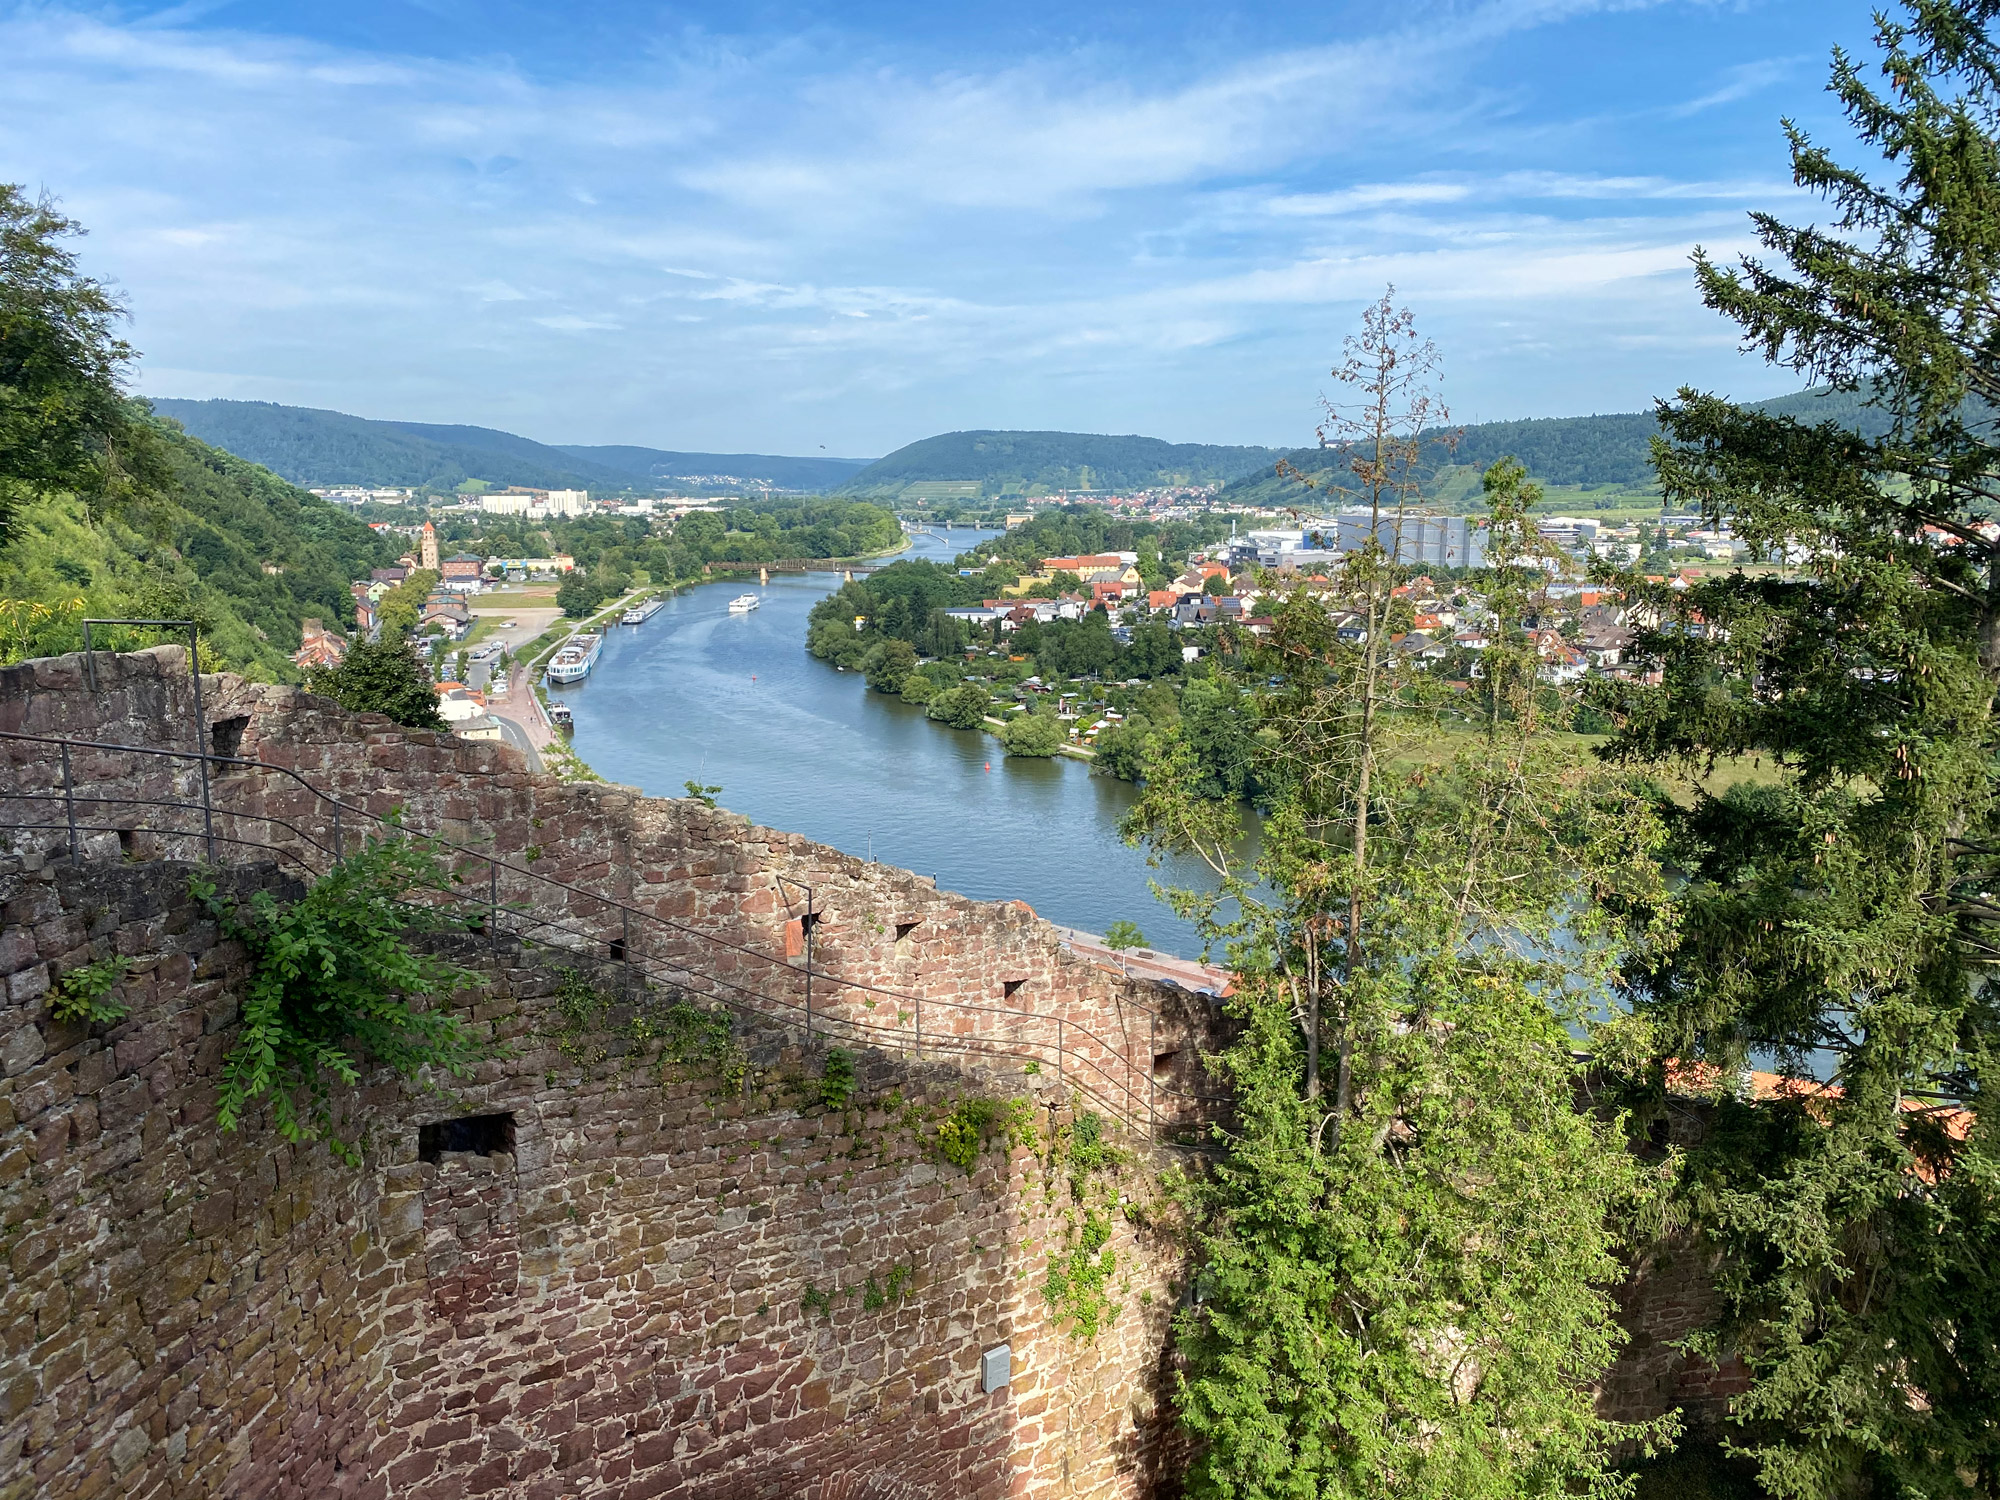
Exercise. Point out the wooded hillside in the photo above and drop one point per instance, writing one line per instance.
(1041, 463)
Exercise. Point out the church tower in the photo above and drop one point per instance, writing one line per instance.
(430, 547)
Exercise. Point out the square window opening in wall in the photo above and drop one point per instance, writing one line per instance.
(904, 929)
(1163, 1062)
(1009, 986)
(482, 1135)
(618, 950)
(225, 736)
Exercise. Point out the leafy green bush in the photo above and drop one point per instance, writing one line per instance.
(963, 1134)
(1122, 934)
(836, 1080)
(333, 985)
(83, 993)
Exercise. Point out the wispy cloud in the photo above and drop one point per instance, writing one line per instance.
(742, 241)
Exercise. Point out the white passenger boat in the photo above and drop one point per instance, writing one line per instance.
(742, 604)
(640, 614)
(578, 655)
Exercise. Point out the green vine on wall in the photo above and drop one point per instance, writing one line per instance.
(83, 994)
(836, 1079)
(681, 1034)
(964, 1133)
(1080, 1276)
(891, 1289)
(332, 986)
(1079, 1279)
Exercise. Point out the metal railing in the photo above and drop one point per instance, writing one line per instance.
(1100, 1069)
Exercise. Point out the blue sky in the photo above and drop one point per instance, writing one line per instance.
(788, 227)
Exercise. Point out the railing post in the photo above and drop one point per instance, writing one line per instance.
(810, 923)
(201, 743)
(1059, 1053)
(493, 901)
(625, 947)
(920, 1028)
(336, 830)
(69, 800)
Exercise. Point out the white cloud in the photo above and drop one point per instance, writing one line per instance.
(736, 244)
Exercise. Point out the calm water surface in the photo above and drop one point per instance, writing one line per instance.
(697, 693)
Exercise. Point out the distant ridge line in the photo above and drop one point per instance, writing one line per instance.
(316, 446)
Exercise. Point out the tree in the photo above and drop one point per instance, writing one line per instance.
(64, 423)
(1122, 934)
(1404, 1254)
(400, 608)
(1837, 920)
(578, 594)
(962, 707)
(383, 677)
(1122, 750)
(889, 666)
(1033, 735)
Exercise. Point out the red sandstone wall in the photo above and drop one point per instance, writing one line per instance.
(719, 898)
(613, 1309)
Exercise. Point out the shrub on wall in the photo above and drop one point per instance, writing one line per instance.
(334, 987)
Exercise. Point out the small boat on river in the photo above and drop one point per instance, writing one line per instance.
(742, 604)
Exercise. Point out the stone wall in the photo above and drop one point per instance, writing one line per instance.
(698, 897)
(604, 1293)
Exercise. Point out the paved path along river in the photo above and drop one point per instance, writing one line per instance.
(697, 693)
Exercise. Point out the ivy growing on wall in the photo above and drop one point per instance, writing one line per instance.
(336, 986)
(965, 1132)
(1079, 1282)
(84, 993)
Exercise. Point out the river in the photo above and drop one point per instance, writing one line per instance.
(697, 693)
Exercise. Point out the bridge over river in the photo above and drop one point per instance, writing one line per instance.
(798, 565)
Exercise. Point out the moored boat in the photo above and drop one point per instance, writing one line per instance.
(578, 655)
(640, 614)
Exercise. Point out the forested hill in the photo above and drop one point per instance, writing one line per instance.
(1041, 463)
(211, 537)
(309, 446)
(1612, 449)
(657, 466)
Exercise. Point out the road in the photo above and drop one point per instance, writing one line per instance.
(520, 717)
(518, 738)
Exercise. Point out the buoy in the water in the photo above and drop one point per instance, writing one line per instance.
(989, 765)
